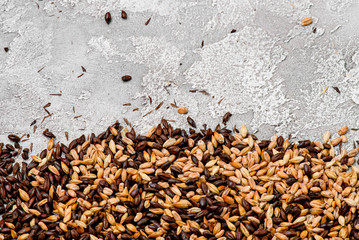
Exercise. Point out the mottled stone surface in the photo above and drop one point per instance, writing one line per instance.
(270, 73)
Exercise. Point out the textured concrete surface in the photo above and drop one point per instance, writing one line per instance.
(270, 73)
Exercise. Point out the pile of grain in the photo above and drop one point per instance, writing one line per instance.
(177, 184)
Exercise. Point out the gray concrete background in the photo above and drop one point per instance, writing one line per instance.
(270, 73)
